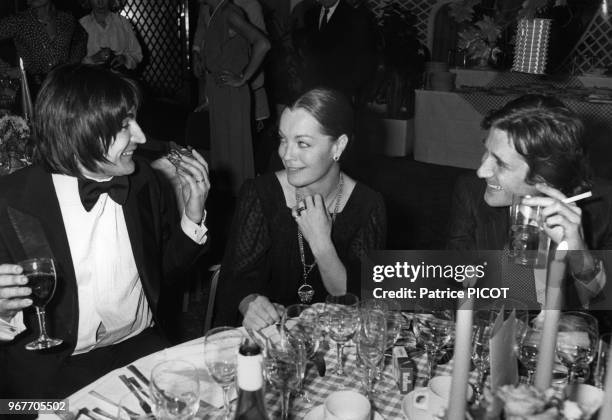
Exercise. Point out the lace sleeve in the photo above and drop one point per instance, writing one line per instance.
(244, 264)
(371, 236)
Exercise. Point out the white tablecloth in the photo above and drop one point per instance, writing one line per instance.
(447, 130)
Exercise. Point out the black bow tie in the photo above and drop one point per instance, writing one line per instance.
(117, 189)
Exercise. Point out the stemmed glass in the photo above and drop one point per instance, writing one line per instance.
(283, 360)
(175, 388)
(42, 279)
(576, 341)
(221, 347)
(343, 322)
(371, 342)
(434, 328)
(301, 322)
(528, 349)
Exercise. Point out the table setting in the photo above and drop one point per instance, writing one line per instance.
(460, 364)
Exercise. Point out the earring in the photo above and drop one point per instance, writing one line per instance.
(336, 158)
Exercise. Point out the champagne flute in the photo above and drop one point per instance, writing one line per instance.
(42, 279)
(300, 322)
(434, 328)
(601, 364)
(371, 342)
(282, 367)
(221, 346)
(175, 390)
(343, 322)
(528, 349)
(576, 341)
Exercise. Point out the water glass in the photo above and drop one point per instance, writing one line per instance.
(528, 242)
(371, 342)
(221, 346)
(342, 312)
(175, 389)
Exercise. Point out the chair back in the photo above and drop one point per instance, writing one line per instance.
(210, 307)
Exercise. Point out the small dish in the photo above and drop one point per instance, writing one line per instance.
(318, 413)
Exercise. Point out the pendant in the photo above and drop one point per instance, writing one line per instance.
(305, 293)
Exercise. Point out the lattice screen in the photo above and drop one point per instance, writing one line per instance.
(160, 25)
(593, 49)
(420, 8)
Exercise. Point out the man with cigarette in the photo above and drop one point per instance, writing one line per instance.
(102, 216)
(535, 148)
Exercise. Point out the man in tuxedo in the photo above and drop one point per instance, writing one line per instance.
(100, 213)
(338, 45)
(535, 148)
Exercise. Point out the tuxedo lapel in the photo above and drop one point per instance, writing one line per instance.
(36, 202)
(142, 230)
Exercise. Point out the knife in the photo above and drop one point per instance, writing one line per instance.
(139, 375)
(143, 404)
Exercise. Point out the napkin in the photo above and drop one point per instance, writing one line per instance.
(504, 369)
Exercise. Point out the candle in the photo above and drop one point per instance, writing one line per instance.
(606, 409)
(552, 312)
(461, 367)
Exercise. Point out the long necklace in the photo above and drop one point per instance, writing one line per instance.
(306, 291)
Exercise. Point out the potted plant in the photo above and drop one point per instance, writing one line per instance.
(402, 60)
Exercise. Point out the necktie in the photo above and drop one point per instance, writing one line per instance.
(117, 189)
(325, 19)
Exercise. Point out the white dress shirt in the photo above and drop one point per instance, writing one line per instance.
(112, 303)
(117, 35)
(331, 9)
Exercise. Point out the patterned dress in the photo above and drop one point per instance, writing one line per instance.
(40, 52)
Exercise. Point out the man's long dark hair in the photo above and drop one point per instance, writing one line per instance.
(79, 111)
(550, 138)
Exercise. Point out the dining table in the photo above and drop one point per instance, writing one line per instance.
(386, 399)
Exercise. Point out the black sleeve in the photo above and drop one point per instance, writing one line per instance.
(462, 222)
(370, 237)
(245, 264)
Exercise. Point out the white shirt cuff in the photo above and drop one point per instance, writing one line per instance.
(196, 232)
(9, 330)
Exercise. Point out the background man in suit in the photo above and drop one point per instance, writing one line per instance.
(338, 45)
(535, 147)
(100, 213)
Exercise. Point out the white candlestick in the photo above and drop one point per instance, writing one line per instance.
(552, 313)
(461, 367)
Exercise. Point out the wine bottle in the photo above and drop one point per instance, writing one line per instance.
(249, 377)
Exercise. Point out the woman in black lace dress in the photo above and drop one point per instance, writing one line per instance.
(302, 230)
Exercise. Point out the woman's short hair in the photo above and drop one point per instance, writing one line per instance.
(550, 138)
(113, 5)
(79, 110)
(331, 109)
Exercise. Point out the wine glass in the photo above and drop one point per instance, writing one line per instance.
(301, 322)
(576, 341)
(343, 322)
(371, 342)
(175, 390)
(283, 360)
(528, 349)
(42, 279)
(221, 347)
(434, 328)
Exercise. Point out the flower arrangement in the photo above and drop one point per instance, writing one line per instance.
(525, 402)
(15, 147)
